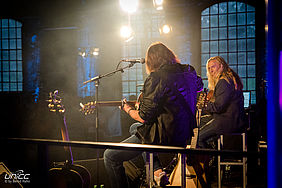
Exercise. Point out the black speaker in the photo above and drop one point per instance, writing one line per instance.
(98, 176)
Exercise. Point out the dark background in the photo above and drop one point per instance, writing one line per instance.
(21, 116)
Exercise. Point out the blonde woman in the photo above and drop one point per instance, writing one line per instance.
(226, 106)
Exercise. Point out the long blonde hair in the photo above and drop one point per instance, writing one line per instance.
(224, 73)
(157, 55)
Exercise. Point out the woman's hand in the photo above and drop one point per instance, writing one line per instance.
(210, 95)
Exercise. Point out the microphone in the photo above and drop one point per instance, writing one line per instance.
(138, 60)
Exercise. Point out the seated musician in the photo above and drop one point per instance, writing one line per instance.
(226, 105)
(166, 112)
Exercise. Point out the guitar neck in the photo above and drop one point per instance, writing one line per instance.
(65, 137)
(113, 103)
(91, 106)
(55, 105)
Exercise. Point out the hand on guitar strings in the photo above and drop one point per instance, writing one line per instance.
(130, 111)
(125, 107)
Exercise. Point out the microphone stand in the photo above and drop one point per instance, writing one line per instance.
(97, 79)
(109, 74)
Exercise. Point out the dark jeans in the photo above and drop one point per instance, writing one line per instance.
(207, 131)
(113, 160)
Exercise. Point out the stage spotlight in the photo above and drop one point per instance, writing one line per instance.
(88, 52)
(158, 4)
(126, 33)
(165, 29)
(129, 6)
(95, 51)
(82, 52)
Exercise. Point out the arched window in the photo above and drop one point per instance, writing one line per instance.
(11, 76)
(228, 30)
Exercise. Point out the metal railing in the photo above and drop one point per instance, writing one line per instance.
(150, 149)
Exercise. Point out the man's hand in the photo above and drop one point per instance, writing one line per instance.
(126, 107)
(131, 111)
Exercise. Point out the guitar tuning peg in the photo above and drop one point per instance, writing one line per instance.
(61, 111)
(50, 105)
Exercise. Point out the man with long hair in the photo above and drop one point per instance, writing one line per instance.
(166, 112)
(226, 104)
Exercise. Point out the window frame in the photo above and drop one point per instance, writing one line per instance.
(236, 48)
(11, 56)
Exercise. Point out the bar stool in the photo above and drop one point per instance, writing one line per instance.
(241, 162)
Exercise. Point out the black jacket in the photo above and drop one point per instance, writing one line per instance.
(228, 108)
(168, 105)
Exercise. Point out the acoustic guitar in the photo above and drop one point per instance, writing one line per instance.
(65, 174)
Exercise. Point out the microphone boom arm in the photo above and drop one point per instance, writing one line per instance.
(96, 78)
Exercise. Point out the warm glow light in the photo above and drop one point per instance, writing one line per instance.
(126, 31)
(166, 29)
(129, 6)
(266, 28)
(158, 4)
(95, 52)
(88, 52)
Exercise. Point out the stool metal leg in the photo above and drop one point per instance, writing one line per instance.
(149, 169)
(244, 161)
(183, 170)
(219, 142)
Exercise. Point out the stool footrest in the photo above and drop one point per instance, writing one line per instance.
(231, 163)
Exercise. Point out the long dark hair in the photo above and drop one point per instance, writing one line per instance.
(159, 54)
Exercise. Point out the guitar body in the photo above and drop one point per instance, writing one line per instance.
(69, 176)
(66, 175)
(192, 180)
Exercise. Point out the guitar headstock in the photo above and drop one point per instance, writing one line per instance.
(202, 100)
(55, 102)
(88, 108)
